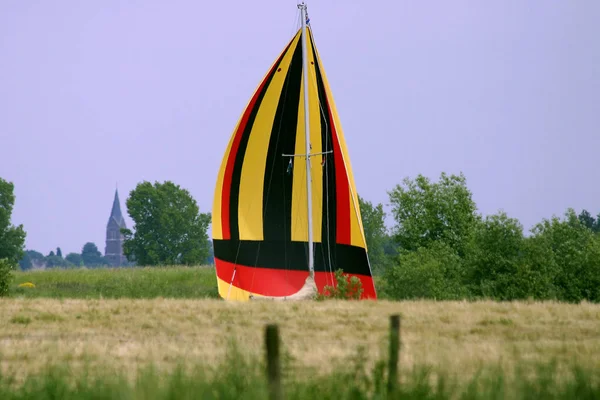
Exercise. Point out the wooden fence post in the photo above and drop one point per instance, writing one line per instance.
(273, 362)
(394, 353)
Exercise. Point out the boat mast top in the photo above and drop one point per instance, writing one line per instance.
(304, 17)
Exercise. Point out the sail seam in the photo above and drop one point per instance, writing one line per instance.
(352, 194)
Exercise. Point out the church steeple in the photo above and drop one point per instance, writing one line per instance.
(114, 239)
(116, 210)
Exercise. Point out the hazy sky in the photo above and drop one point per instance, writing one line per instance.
(95, 93)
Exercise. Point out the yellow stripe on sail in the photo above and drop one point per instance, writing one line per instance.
(235, 293)
(250, 209)
(217, 227)
(356, 227)
(299, 192)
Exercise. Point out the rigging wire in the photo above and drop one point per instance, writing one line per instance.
(330, 265)
(296, 23)
(355, 206)
(325, 165)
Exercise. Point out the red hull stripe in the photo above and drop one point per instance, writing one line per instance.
(280, 282)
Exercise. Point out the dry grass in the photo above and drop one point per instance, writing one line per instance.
(458, 337)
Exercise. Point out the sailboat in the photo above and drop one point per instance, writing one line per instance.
(286, 214)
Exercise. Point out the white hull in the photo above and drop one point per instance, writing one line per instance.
(307, 292)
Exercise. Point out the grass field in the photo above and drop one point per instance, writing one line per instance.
(111, 338)
(134, 283)
(455, 339)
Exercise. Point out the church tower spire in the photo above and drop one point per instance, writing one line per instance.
(114, 239)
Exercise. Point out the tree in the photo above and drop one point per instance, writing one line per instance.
(493, 257)
(572, 253)
(210, 259)
(56, 261)
(12, 238)
(25, 263)
(427, 212)
(432, 272)
(58, 252)
(91, 256)
(169, 229)
(537, 271)
(390, 247)
(587, 220)
(6, 276)
(373, 219)
(31, 259)
(74, 259)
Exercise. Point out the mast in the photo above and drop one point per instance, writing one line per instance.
(311, 266)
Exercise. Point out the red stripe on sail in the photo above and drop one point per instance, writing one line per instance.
(233, 153)
(280, 282)
(342, 189)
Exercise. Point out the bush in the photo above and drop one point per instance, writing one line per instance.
(345, 288)
(434, 272)
(6, 276)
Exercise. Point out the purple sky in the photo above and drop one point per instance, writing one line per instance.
(95, 93)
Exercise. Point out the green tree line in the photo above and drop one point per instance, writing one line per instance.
(444, 249)
(439, 246)
(12, 238)
(89, 257)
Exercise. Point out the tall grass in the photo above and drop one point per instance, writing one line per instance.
(135, 283)
(132, 282)
(243, 377)
(127, 333)
(174, 348)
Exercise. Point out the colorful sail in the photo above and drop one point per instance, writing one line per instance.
(260, 217)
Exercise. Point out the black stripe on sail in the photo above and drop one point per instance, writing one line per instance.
(328, 227)
(239, 158)
(351, 259)
(277, 189)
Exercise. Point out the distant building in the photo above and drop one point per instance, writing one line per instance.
(114, 239)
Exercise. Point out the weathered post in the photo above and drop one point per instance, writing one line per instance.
(273, 362)
(394, 353)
